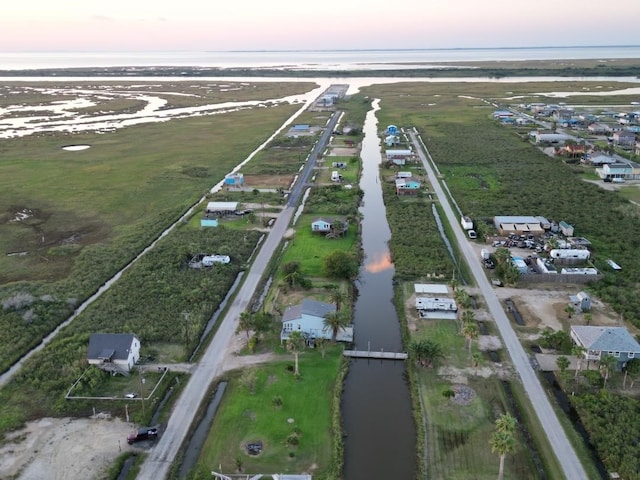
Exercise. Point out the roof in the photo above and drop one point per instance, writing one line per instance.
(606, 339)
(323, 219)
(110, 346)
(430, 288)
(222, 206)
(307, 307)
(516, 219)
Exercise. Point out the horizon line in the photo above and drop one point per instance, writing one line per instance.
(319, 50)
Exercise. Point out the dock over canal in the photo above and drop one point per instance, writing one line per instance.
(380, 355)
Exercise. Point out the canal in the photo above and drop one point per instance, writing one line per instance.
(376, 405)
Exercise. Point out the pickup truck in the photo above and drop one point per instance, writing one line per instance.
(143, 433)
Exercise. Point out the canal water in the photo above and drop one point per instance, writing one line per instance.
(380, 433)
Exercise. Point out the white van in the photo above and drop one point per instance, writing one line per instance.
(335, 176)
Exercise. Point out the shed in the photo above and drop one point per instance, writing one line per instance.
(208, 222)
(234, 179)
(566, 228)
(392, 130)
(581, 301)
(218, 207)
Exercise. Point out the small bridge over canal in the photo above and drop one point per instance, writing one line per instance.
(382, 355)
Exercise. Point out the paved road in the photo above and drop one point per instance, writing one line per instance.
(567, 457)
(159, 461)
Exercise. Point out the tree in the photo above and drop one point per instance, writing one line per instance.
(295, 344)
(340, 264)
(470, 331)
(425, 351)
(607, 363)
(338, 297)
(335, 321)
(503, 439)
(506, 423)
(578, 351)
(563, 363)
(476, 360)
(467, 317)
(631, 368)
(569, 310)
(245, 323)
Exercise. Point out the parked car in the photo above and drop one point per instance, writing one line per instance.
(143, 433)
(472, 234)
(131, 395)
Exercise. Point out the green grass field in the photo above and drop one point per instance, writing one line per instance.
(247, 414)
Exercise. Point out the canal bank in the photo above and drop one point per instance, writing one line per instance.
(377, 414)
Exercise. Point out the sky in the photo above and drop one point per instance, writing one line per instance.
(198, 25)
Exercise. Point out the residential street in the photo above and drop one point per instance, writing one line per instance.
(558, 440)
(204, 374)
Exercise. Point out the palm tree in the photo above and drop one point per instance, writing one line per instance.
(503, 439)
(467, 317)
(295, 344)
(607, 362)
(563, 363)
(470, 331)
(632, 368)
(578, 351)
(425, 351)
(245, 323)
(337, 297)
(335, 321)
(506, 423)
(476, 360)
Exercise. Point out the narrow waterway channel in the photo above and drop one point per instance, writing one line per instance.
(376, 403)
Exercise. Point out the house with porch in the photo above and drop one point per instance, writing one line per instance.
(599, 341)
(624, 138)
(328, 226)
(407, 186)
(308, 318)
(610, 171)
(114, 352)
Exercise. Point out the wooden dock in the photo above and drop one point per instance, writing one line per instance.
(382, 355)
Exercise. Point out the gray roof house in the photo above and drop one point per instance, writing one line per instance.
(308, 318)
(114, 352)
(598, 341)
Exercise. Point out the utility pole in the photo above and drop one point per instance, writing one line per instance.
(141, 390)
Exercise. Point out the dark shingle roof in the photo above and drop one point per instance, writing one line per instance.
(308, 307)
(113, 346)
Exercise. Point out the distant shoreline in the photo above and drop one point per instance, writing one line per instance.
(616, 67)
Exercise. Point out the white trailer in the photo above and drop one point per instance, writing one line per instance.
(570, 254)
(485, 254)
(466, 223)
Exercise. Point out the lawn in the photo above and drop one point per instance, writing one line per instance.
(247, 414)
(309, 248)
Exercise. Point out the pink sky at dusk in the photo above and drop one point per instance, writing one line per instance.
(144, 25)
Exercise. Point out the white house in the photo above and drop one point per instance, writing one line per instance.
(114, 352)
(599, 341)
(308, 318)
(431, 307)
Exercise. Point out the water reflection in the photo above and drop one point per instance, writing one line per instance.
(380, 263)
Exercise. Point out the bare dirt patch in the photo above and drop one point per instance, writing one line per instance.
(343, 152)
(268, 181)
(53, 448)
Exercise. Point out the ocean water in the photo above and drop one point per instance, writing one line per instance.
(309, 60)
